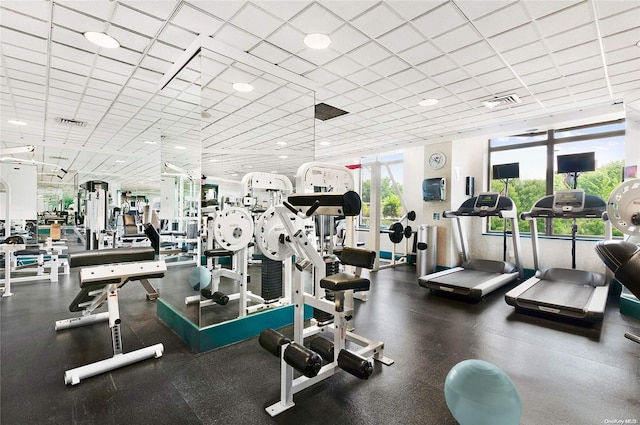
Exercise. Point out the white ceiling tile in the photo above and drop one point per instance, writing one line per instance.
(160, 9)
(316, 19)
(377, 21)
(502, 20)
(359, 94)
(538, 77)
(348, 9)
(73, 67)
(127, 17)
(524, 53)
(538, 9)
(401, 38)
(288, 38)
(368, 54)
(621, 40)
(547, 86)
(256, 21)
(512, 39)
(127, 39)
(406, 77)
(582, 77)
(269, 52)
(437, 66)
(472, 53)
(566, 19)
(438, 21)
(533, 65)
(456, 38)
(420, 53)
(622, 55)
(196, 21)
(484, 65)
(24, 54)
(37, 10)
(297, 65)
(363, 77)
(474, 9)
(572, 37)
(409, 9)
(342, 66)
(73, 55)
(237, 38)
(461, 85)
(21, 40)
(389, 66)
(318, 57)
(621, 22)
(162, 50)
(341, 86)
(494, 76)
(449, 77)
(624, 67)
(26, 24)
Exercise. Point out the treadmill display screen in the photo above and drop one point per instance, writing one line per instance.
(486, 201)
(568, 200)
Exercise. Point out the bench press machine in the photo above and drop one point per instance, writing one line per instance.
(312, 270)
(102, 274)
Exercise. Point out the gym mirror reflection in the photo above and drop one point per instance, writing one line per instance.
(216, 134)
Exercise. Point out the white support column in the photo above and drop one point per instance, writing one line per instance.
(374, 211)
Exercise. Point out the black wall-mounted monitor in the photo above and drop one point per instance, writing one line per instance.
(576, 163)
(506, 171)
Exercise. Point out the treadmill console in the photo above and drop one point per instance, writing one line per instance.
(486, 202)
(568, 201)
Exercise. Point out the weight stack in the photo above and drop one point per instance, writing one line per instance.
(332, 265)
(271, 279)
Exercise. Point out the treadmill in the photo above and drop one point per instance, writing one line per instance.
(475, 278)
(561, 292)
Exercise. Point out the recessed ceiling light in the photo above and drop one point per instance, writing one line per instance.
(281, 143)
(101, 39)
(428, 102)
(283, 157)
(180, 147)
(317, 41)
(242, 87)
(17, 122)
(150, 142)
(325, 143)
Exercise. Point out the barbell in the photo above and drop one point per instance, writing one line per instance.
(397, 230)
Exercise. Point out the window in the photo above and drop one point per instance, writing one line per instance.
(391, 205)
(537, 157)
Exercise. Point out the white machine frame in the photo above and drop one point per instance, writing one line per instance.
(109, 294)
(312, 269)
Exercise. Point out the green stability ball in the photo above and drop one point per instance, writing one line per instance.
(199, 278)
(480, 393)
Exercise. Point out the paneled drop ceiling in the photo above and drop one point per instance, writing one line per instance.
(558, 56)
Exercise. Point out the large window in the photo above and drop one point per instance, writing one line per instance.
(536, 154)
(391, 170)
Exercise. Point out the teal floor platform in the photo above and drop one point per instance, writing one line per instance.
(229, 332)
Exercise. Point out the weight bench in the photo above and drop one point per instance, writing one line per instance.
(102, 274)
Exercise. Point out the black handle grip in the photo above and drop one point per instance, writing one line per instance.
(313, 208)
(290, 207)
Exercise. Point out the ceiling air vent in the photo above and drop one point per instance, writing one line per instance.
(499, 102)
(326, 112)
(71, 121)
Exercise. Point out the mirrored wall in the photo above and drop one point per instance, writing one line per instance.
(214, 132)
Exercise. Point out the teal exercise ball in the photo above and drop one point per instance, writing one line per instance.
(199, 278)
(480, 393)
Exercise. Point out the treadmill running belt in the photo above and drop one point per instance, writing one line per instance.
(466, 278)
(567, 295)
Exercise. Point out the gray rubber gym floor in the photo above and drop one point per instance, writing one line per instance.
(565, 374)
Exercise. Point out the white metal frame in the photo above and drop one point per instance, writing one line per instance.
(109, 294)
(311, 266)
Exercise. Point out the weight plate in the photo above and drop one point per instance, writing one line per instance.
(268, 234)
(407, 232)
(396, 232)
(233, 228)
(623, 207)
(411, 215)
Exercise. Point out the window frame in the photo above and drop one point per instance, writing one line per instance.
(550, 143)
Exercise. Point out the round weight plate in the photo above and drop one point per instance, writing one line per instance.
(623, 207)
(407, 232)
(233, 228)
(396, 232)
(268, 231)
(411, 215)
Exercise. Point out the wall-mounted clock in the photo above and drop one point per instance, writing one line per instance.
(437, 160)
